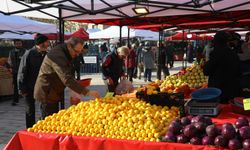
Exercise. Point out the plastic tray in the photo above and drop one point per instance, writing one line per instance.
(206, 94)
(164, 99)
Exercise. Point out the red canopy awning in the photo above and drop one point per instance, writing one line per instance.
(180, 36)
(55, 36)
(79, 33)
(211, 20)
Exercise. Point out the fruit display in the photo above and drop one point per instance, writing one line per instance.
(112, 117)
(200, 130)
(149, 89)
(185, 81)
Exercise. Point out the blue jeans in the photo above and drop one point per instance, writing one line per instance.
(147, 74)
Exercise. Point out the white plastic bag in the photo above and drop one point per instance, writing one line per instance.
(123, 87)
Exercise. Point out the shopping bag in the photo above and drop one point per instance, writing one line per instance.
(123, 87)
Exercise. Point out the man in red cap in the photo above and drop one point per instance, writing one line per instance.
(27, 74)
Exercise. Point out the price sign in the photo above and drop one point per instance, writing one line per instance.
(246, 103)
(109, 94)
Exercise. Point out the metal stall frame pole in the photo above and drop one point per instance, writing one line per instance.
(120, 39)
(159, 67)
(128, 37)
(195, 52)
(183, 48)
(61, 26)
(61, 40)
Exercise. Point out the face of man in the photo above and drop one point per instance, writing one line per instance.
(43, 46)
(18, 44)
(75, 50)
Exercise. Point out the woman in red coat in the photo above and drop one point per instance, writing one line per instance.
(130, 63)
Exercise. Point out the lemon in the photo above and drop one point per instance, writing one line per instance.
(117, 117)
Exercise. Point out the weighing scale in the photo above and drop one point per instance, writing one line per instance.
(203, 108)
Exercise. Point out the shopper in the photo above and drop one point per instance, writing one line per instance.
(148, 61)
(245, 55)
(28, 72)
(162, 60)
(103, 50)
(223, 67)
(56, 73)
(208, 49)
(139, 59)
(112, 67)
(78, 62)
(15, 56)
(130, 63)
(170, 54)
(190, 52)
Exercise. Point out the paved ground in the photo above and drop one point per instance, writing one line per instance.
(13, 117)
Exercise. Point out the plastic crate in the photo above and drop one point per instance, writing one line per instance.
(164, 99)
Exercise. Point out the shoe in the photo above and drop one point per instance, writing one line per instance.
(150, 81)
(13, 104)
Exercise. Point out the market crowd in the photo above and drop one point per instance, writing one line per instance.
(42, 73)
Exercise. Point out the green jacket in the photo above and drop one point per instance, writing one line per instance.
(55, 74)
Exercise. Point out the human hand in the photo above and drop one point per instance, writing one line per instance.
(94, 94)
(24, 94)
(110, 81)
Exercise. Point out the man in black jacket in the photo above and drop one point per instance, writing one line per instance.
(223, 67)
(28, 72)
(14, 61)
(162, 60)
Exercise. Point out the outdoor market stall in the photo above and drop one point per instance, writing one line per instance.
(115, 30)
(96, 124)
(28, 140)
(25, 25)
(79, 33)
(119, 13)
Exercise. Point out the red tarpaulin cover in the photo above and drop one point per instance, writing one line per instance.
(40, 141)
(81, 33)
(55, 36)
(179, 36)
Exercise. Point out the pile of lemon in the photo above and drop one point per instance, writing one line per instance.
(117, 117)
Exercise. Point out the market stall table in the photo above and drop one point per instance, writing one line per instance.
(40, 141)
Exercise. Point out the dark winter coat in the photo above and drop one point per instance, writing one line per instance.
(28, 70)
(223, 71)
(162, 58)
(112, 66)
(15, 58)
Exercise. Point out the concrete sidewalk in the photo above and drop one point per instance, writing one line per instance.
(13, 117)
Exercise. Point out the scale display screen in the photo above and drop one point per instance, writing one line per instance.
(202, 111)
